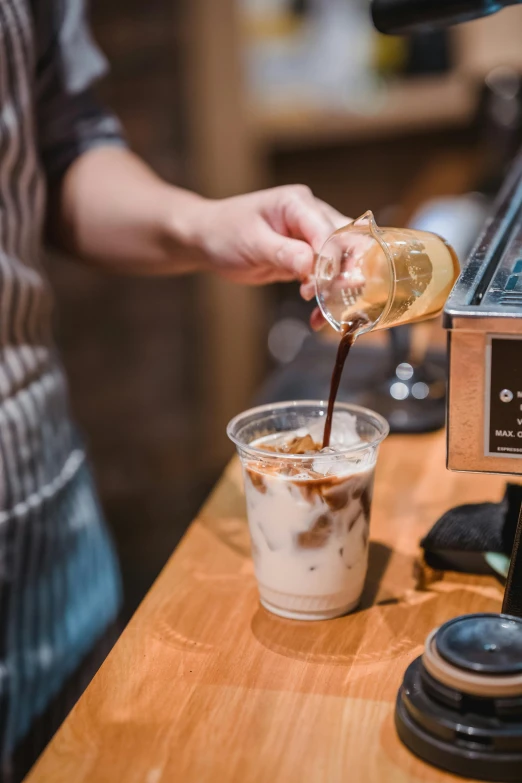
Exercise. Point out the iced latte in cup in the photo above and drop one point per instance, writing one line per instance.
(308, 507)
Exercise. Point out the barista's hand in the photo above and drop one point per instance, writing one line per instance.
(265, 237)
(110, 210)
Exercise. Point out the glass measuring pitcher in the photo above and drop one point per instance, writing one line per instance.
(382, 277)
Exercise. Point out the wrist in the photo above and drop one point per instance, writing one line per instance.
(183, 229)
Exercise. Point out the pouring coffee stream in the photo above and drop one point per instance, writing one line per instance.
(349, 334)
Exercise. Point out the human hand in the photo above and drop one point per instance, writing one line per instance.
(265, 237)
(113, 212)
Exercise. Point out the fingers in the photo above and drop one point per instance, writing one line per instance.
(290, 259)
(317, 320)
(297, 213)
(337, 219)
(299, 224)
(307, 289)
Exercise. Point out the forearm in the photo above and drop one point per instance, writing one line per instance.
(112, 211)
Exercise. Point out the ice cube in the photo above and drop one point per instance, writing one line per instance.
(329, 466)
(302, 445)
(336, 495)
(344, 430)
(317, 536)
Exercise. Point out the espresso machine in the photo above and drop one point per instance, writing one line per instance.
(460, 704)
(401, 17)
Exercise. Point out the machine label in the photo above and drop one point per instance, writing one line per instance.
(503, 410)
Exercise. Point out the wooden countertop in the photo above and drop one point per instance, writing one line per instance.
(205, 686)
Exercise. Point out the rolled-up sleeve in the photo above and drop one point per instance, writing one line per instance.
(70, 121)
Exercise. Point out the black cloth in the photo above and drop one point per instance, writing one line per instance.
(471, 529)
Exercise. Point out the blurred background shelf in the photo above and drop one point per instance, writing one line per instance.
(408, 106)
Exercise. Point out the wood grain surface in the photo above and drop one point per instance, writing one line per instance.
(205, 686)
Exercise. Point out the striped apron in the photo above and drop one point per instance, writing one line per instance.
(59, 583)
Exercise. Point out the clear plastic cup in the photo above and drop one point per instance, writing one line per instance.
(309, 514)
(390, 276)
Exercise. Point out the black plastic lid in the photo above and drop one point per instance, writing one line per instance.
(485, 643)
(462, 742)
